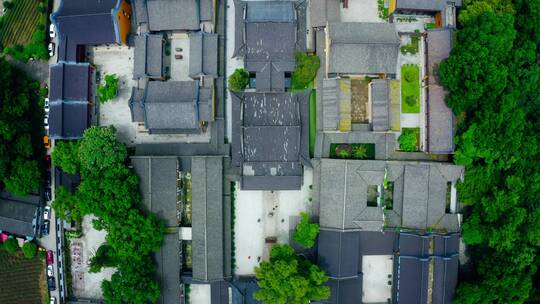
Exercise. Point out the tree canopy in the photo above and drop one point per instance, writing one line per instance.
(20, 131)
(239, 80)
(306, 70)
(306, 233)
(290, 279)
(493, 79)
(66, 156)
(109, 89)
(109, 190)
(29, 250)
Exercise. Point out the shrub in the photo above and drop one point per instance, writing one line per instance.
(306, 70)
(29, 250)
(408, 140)
(410, 100)
(239, 80)
(306, 233)
(109, 90)
(409, 76)
(11, 245)
(359, 152)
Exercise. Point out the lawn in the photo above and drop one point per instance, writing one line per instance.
(312, 121)
(352, 151)
(410, 89)
(19, 23)
(22, 279)
(412, 47)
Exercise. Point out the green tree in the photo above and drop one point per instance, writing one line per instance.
(29, 250)
(306, 233)
(66, 156)
(239, 80)
(20, 131)
(305, 71)
(288, 278)
(11, 245)
(109, 90)
(99, 150)
(408, 140)
(104, 257)
(67, 205)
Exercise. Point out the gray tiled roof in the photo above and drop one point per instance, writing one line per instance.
(69, 81)
(270, 11)
(157, 184)
(338, 253)
(419, 197)
(84, 22)
(323, 11)
(17, 214)
(271, 137)
(68, 120)
(135, 105)
(348, 291)
(333, 95)
(207, 218)
(166, 15)
(168, 269)
(173, 106)
(203, 53)
(206, 9)
(380, 100)
(440, 118)
(374, 47)
(425, 5)
(148, 60)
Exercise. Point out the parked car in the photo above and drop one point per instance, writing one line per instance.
(50, 272)
(45, 228)
(47, 213)
(50, 257)
(51, 283)
(46, 104)
(53, 300)
(46, 141)
(51, 49)
(52, 31)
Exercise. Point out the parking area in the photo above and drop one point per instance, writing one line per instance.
(86, 284)
(264, 218)
(179, 57)
(119, 60)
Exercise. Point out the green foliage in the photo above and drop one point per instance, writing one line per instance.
(109, 90)
(20, 131)
(109, 190)
(383, 11)
(412, 47)
(288, 278)
(408, 140)
(493, 79)
(410, 89)
(306, 70)
(306, 233)
(34, 49)
(66, 156)
(100, 150)
(359, 151)
(29, 250)
(343, 153)
(11, 245)
(104, 257)
(239, 80)
(8, 5)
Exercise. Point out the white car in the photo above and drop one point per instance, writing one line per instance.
(46, 104)
(53, 300)
(50, 272)
(51, 49)
(47, 213)
(52, 31)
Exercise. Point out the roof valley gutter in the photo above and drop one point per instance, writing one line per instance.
(205, 222)
(344, 196)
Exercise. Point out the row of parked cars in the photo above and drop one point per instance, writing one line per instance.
(51, 283)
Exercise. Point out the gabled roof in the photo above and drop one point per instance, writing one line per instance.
(419, 195)
(148, 60)
(164, 15)
(69, 81)
(174, 106)
(425, 5)
(380, 104)
(270, 138)
(17, 214)
(374, 47)
(207, 218)
(323, 11)
(84, 22)
(336, 100)
(68, 120)
(338, 253)
(168, 269)
(441, 120)
(203, 55)
(270, 11)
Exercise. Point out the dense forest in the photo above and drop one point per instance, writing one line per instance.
(21, 131)
(493, 79)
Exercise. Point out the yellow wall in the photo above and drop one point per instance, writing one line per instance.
(124, 21)
(392, 6)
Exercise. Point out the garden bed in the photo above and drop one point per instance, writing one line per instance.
(312, 121)
(22, 280)
(352, 151)
(410, 89)
(409, 140)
